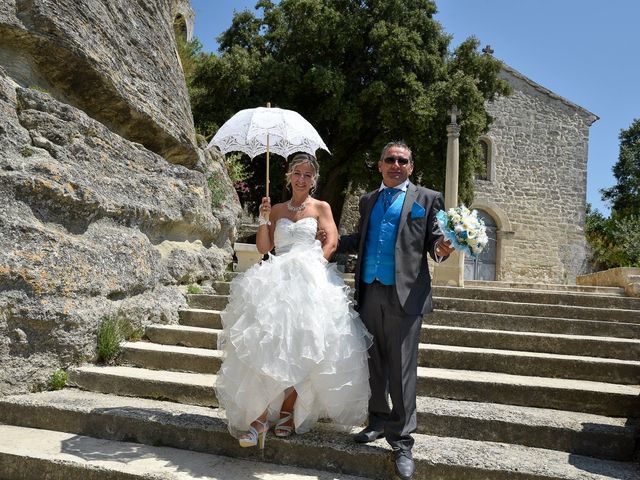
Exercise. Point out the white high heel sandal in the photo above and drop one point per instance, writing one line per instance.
(282, 430)
(254, 437)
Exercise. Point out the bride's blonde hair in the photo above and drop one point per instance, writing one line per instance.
(298, 159)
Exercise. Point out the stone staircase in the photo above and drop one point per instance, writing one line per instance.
(514, 382)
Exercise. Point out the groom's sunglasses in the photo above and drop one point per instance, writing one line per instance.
(401, 160)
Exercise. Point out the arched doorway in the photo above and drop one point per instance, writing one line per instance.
(483, 267)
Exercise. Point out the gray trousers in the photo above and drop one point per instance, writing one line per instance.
(393, 363)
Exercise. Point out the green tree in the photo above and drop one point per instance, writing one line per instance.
(614, 241)
(625, 195)
(363, 72)
(188, 52)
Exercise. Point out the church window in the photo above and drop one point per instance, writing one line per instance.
(483, 171)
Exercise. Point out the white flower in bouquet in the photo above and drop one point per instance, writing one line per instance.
(463, 229)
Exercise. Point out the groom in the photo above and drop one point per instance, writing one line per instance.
(397, 231)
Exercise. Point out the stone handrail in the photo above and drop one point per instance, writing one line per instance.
(625, 277)
(247, 255)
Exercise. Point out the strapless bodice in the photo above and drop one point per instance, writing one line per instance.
(289, 233)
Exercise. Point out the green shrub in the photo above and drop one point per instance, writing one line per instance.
(237, 170)
(194, 289)
(112, 332)
(109, 338)
(217, 190)
(38, 88)
(58, 380)
(26, 151)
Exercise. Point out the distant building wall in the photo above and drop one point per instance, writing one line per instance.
(537, 181)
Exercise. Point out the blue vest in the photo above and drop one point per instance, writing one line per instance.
(379, 260)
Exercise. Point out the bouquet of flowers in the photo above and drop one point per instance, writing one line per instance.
(463, 229)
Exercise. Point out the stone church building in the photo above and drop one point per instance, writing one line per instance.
(533, 197)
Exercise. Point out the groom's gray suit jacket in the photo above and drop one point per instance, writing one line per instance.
(416, 238)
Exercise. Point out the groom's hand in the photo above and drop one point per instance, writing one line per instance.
(443, 247)
(321, 235)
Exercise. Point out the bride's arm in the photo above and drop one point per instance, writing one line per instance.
(264, 235)
(325, 222)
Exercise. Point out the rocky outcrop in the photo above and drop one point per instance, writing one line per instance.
(105, 207)
(114, 60)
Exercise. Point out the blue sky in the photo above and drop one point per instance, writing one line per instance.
(584, 50)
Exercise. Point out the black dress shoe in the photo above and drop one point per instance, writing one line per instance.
(369, 434)
(404, 464)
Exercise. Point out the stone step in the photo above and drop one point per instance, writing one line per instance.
(546, 297)
(183, 387)
(599, 398)
(170, 357)
(573, 395)
(496, 321)
(200, 429)
(204, 360)
(29, 453)
(207, 302)
(183, 335)
(199, 317)
(583, 345)
(219, 302)
(579, 433)
(583, 289)
(533, 323)
(221, 287)
(535, 364)
(550, 297)
(533, 309)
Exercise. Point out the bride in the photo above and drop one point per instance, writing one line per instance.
(294, 348)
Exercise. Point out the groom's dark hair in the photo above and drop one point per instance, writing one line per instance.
(399, 144)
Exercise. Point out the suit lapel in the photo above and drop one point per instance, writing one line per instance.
(410, 197)
(366, 214)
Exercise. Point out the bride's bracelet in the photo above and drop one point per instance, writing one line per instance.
(263, 221)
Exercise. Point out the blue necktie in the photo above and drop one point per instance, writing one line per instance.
(389, 195)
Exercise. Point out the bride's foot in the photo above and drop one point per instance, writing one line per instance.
(284, 427)
(257, 435)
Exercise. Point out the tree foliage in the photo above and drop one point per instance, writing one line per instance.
(625, 195)
(615, 241)
(363, 72)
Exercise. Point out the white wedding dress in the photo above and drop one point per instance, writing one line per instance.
(290, 323)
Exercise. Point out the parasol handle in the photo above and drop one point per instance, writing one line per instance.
(267, 165)
(268, 106)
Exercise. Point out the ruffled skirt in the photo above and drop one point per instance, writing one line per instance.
(290, 323)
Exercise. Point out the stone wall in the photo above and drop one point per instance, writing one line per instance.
(537, 183)
(104, 202)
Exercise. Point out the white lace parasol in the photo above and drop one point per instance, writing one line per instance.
(259, 130)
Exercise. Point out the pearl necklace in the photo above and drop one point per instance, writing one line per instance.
(299, 208)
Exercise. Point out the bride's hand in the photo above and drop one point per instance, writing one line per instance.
(265, 207)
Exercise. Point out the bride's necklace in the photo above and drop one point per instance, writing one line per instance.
(299, 208)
